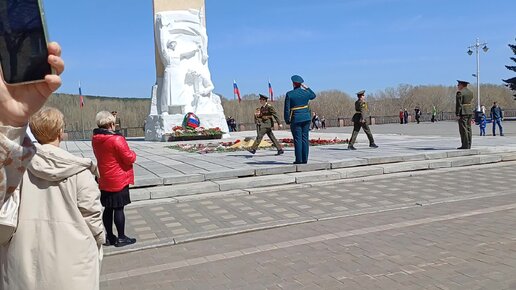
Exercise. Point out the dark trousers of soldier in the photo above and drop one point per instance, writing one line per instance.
(356, 129)
(465, 131)
(260, 132)
(301, 141)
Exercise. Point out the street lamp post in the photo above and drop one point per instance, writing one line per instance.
(476, 46)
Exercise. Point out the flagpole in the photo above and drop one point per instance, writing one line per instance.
(269, 89)
(82, 125)
(271, 93)
(80, 105)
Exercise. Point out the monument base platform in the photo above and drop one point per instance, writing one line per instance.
(157, 126)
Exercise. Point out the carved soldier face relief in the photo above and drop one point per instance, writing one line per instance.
(172, 45)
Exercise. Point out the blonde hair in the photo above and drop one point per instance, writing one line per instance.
(104, 119)
(47, 124)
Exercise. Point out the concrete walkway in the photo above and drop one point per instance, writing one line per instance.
(180, 197)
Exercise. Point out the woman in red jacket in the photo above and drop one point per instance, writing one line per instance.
(115, 162)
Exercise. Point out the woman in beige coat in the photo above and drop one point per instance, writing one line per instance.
(57, 244)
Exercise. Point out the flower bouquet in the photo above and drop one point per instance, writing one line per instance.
(180, 133)
(241, 145)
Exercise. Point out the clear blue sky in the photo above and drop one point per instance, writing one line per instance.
(347, 45)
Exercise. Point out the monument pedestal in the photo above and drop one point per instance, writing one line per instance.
(156, 126)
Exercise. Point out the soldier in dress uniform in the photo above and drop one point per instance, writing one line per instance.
(464, 111)
(359, 121)
(263, 118)
(297, 114)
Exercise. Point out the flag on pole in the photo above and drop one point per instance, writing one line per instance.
(81, 98)
(236, 91)
(271, 93)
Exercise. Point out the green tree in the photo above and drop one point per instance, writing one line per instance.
(511, 83)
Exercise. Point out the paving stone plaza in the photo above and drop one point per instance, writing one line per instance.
(413, 214)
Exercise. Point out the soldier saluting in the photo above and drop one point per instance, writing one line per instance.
(263, 118)
(463, 111)
(359, 121)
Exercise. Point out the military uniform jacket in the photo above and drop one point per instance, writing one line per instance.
(360, 111)
(463, 100)
(296, 108)
(265, 118)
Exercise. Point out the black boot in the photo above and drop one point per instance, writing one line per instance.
(372, 145)
(252, 151)
(110, 241)
(350, 147)
(125, 241)
(280, 152)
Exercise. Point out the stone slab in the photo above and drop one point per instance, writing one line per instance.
(360, 171)
(459, 152)
(186, 178)
(434, 164)
(312, 166)
(138, 194)
(351, 162)
(275, 170)
(229, 173)
(414, 157)
(464, 161)
(509, 156)
(436, 155)
(490, 158)
(382, 159)
(405, 166)
(257, 181)
(141, 181)
(305, 177)
(183, 189)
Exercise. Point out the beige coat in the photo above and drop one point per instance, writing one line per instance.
(56, 245)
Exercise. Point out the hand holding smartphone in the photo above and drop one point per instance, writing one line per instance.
(27, 61)
(23, 42)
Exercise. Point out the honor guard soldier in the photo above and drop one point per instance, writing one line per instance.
(263, 118)
(464, 111)
(359, 121)
(297, 114)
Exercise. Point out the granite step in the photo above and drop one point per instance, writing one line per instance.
(249, 179)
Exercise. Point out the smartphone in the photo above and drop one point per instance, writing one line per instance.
(23, 42)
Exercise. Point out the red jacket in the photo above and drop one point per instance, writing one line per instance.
(115, 160)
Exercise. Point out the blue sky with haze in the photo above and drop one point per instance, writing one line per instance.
(347, 45)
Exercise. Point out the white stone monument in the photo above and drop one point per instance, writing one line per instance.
(185, 82)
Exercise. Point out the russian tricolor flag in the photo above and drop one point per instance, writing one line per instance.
(81, 98)
(271, 93)
(236, 91)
